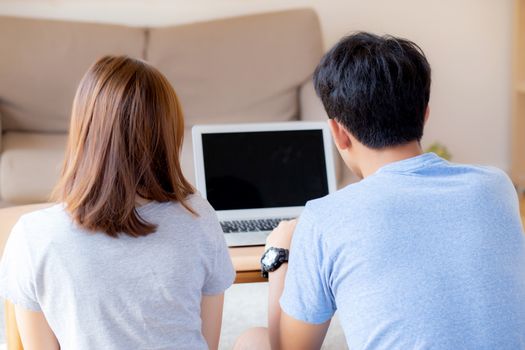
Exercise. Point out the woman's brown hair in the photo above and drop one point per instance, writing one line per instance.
(124, 142)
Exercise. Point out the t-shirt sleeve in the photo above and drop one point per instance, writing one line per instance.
(307, 296)
(17, 283)
(222, 273)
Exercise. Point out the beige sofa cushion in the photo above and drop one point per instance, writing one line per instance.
(42, 61)
(30, 165)
(239, 69)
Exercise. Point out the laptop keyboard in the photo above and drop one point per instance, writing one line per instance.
(251, 225)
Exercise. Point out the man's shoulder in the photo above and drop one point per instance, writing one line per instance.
(488, 179)
(345, 203)
(372, 197)
(493, 174)
(477, 170)
(350, 195)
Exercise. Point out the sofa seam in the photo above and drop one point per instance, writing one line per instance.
(147, 32)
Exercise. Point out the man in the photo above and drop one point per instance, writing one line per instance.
(421, 253)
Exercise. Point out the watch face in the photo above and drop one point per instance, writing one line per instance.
(270, 257)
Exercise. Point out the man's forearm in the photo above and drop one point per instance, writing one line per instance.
(276, 286)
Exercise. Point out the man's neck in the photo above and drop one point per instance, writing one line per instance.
(373, 160)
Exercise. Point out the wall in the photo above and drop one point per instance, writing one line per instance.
(468, 43)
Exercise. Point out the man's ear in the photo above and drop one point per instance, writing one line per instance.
(340, 135)
(427, 114)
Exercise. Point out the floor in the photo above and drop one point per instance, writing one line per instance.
(245, 307)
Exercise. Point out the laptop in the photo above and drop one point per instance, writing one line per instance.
(255, 175)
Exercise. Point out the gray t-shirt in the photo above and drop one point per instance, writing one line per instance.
(98, 292)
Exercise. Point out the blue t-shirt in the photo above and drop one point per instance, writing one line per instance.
(423, 254)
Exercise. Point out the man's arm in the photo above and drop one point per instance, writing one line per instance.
(301, 335)
(275, 290)
(286, 332)
(35, 332)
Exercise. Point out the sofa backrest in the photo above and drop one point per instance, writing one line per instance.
(239, 69)
(42, 62)
(253, 68)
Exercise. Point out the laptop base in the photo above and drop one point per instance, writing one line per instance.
(246, 239)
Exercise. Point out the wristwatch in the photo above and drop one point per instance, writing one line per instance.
(272, 259)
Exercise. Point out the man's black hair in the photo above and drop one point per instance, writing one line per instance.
(377, 87)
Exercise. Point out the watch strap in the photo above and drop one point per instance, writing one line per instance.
(281, 258)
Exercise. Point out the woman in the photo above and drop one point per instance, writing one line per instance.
(131, 257)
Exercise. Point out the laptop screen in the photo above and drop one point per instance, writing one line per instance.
(268, 169)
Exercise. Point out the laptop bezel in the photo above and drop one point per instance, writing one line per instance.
(260, 213)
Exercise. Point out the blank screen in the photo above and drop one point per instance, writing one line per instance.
(249, 170)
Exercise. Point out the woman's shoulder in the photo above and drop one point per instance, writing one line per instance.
(54, 215)
(193, 206)
(40, 227)
(195, 214)
(203, 212)
(194, 211)
(200, 204)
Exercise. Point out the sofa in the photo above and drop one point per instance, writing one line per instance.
(254, 68)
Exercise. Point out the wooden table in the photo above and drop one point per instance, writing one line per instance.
(246, 261)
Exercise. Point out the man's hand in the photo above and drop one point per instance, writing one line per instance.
(281, 237)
